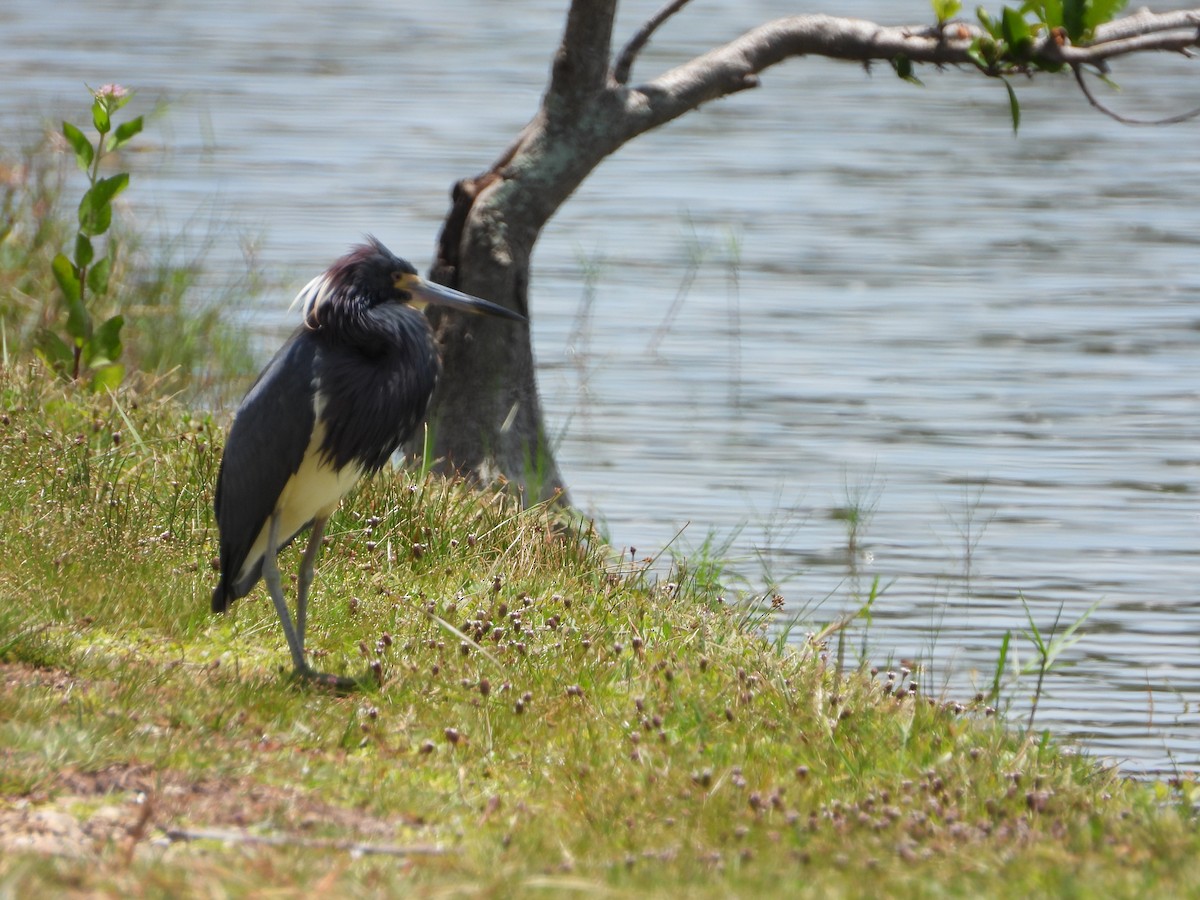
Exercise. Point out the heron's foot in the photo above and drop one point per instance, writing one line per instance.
(340, 684)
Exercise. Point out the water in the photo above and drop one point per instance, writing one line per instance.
(987, 343)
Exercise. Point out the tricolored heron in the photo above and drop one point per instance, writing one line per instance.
(345, 391)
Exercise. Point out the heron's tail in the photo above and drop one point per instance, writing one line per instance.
(221, 598)
(229, 589)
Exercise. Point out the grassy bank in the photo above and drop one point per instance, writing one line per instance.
(547, 721)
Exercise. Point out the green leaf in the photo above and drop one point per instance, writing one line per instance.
(904, 68)
(945, 10)
(1082, 17)
(976, 56)
(1014, 107)
(100, 117)
(1049, 11)
(79, 323)
(95, 210)
(1097, 12)
(989, 24)
(104, 346)
(985, 53)
(104, 190)
(84, 252)
(125, 132)
(1016, 31)
(1001, 660)
(94, 221)
(54, 351)
(98, 275)
(1074, 18)
(84, 153)
(115, 102)
(67, 278)
(109, 377)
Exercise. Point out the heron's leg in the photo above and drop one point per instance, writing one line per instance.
(295, 636)
(306, 573)
(275, 588)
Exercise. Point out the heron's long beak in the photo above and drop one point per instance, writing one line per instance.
(427, 292)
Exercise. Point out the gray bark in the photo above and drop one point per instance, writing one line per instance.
(486, 418)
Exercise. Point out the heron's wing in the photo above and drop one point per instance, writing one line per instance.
(266, 445)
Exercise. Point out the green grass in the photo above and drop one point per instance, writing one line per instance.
(550, 722)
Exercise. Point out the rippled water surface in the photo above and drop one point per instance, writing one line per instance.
(837, 292)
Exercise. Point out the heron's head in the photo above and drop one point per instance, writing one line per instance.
(369, 276)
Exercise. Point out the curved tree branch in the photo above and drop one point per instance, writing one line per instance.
(638, 41)
(735, 66)
(1113, 114)
(1146, 22)
(1178, 40)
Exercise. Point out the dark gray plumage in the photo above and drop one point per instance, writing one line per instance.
(342, 395)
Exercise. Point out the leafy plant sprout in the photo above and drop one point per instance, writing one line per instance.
(83, 277)
(1048, 647)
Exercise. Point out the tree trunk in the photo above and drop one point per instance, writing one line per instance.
(486, 417)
